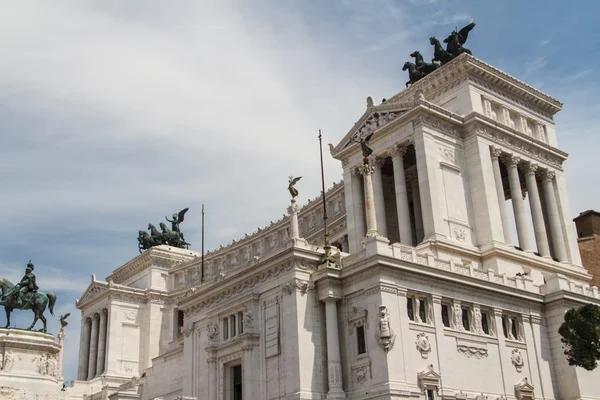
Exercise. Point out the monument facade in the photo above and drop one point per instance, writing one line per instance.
(429, 295)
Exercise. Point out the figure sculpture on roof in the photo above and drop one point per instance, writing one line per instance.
(293, 191)
(171, 237)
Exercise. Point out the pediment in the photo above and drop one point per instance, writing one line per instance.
(94, 290)
(524, 390)
(373, 120)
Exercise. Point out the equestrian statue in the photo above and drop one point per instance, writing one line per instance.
(26, 296)
(454, 48)
(171, 237)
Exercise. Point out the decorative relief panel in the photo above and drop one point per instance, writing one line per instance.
(213, 332)
(297, 284)
(517, 359)
(471, 348)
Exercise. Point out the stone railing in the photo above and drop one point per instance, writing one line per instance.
(262, 243)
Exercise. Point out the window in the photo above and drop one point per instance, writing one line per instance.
(360, 337)
(514, 328)
(225, 328)
(179, 322)
(505, 327)
(232, 318)
(465, 319)
(422, 308)
(485, 323)
(430, 394)
(445, 316)
(236, 375)
(409, 306)
(240, 317)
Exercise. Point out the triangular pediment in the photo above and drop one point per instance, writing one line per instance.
(94, 290)
(373, 120)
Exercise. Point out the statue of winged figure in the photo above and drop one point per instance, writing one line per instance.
(63, 320)
(456, 40)
(364, 146)
(293, 191)
(177, 219)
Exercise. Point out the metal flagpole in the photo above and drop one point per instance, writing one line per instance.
(327, 256)
(202, 262)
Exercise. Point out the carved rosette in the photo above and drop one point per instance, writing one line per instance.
(423, 344)
(517, 359)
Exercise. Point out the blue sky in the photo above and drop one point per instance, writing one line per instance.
(115, 114)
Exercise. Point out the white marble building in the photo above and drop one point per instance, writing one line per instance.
(430, 296)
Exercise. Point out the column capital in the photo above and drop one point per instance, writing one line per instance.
(532, 168)
(548, 175)
(366, 169)
(378, 162)
(96, 315)
(398, 151)
(511, 159)
(496, 152)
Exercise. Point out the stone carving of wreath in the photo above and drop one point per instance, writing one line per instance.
(517, 360)
(423, 344)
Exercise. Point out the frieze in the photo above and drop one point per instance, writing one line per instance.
(241, 287)
(437, 124)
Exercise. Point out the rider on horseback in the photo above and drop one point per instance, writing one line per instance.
(26, 285)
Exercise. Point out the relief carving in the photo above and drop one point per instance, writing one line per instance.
(248, 319)
(460, 234)
(472, 351)
(361, 374)
(423, 344)
(517, 360)
(213, 332)
(385, 335)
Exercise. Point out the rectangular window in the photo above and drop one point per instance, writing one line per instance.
(422, 313)
(515, 328)
(430, 394)
(484, 323)
(360, 337)
(409, 307)
(445, 316)
(225, 328)
(232, 318)
(465, 319)
(504, 327)
(240, 322)
(236, 374)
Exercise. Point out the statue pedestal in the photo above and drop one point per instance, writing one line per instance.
(29, 365)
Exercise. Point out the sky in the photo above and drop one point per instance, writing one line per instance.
(115, 114)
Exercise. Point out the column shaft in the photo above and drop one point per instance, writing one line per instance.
(518, 204)
(539, 228)
(212, 376)
(93, 348)
(101, 343)
(416, 197)
(84, 349)
(367, 171)
(359, 208)
(379, 199)
(501, 199)
(402, 197)
(558, 241)
(294, 229)
(334, 364)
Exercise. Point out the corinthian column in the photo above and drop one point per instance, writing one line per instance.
(518, 204)
(294, 229)
(357, 198)
(84, 349)
(558, 241)
(539, 228)
(367, 171)
(93, 348)
(402, 196)
(334, 364)
(378, 197)
(496, 152)
(101, 343)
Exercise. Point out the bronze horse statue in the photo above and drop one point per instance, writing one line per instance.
(34, 301)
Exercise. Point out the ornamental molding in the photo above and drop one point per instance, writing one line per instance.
(428, 379)
(241, 287)
(524, 390)
(509, 141)
(297, 284)
(159, 257)
(436, 124)
(95, 290)
(472, 349)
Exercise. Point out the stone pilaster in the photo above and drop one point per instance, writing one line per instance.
(539, 228)
(378, 197)
(367, 172)
(416, 198)
(359, 209)
(101, 343)
(93, 347)
(211, 359)
(330, 293)
(84, 349)
(518, 204)
(402, 196)
(558, 241)
(496, 152)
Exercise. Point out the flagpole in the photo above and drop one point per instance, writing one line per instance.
(327, 256)
(202, 262)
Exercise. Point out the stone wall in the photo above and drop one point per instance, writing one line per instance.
(589, 247)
